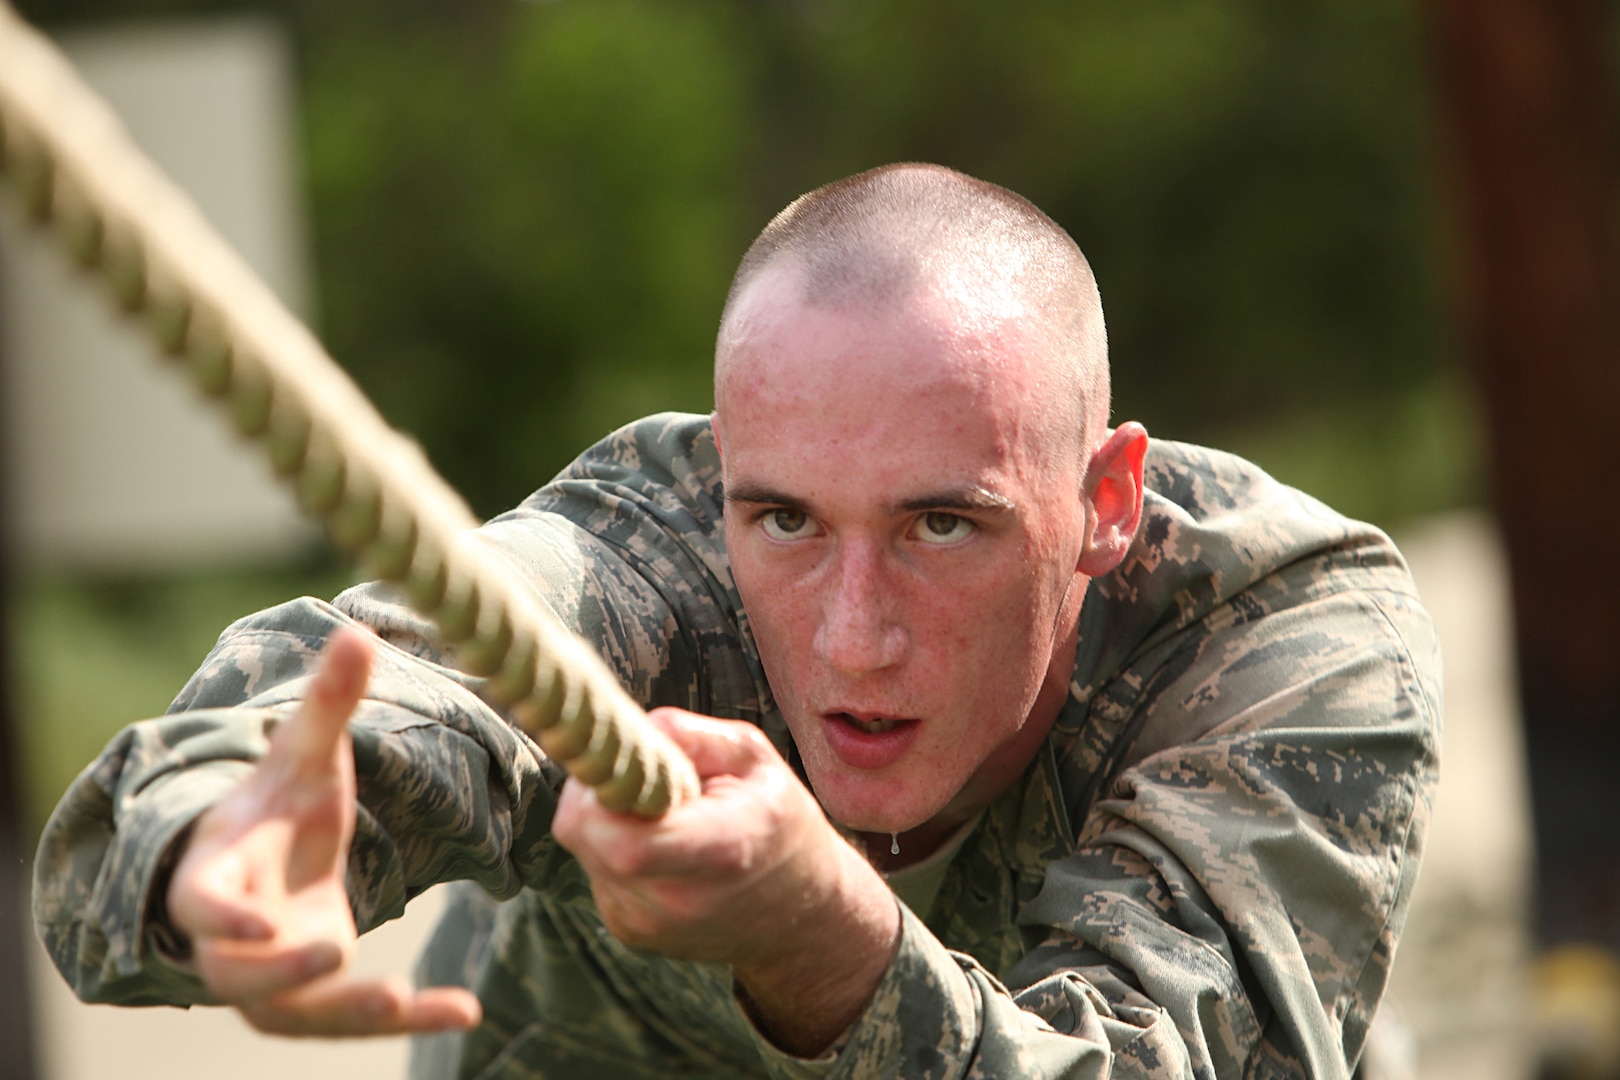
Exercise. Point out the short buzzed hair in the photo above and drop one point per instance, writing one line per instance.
(869, 240)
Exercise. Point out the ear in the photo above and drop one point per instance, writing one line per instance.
(1113, 493)
(714, 426)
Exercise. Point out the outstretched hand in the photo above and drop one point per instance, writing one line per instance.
(260, 888)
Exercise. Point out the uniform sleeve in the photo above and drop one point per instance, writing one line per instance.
(1233, 900)
(448, 789)
(1250, 866)
(623, 547)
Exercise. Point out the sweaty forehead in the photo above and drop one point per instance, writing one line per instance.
(947, 324)
(930, 353)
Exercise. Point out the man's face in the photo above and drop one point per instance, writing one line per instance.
(904, 525)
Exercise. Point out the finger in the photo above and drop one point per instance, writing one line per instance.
(622, 851)
(307, 741)
(608, 844)
(716, 747)
(568, 821)
(349, 1009)
(239, 971)
(440, 1008)
(604, 841)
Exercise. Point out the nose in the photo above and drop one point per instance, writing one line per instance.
(858, 633)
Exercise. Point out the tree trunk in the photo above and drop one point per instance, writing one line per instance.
(1528, 108)
(16, 1035)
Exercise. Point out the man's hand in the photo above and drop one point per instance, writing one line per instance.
(260, 888)
(749, 874)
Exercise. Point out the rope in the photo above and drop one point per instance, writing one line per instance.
(72, 166)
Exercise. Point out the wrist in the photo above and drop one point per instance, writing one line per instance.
(169, 941)
(807, 996)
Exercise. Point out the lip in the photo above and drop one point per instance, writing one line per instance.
(861, 749)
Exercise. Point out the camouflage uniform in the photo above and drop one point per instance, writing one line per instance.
(1204, 872)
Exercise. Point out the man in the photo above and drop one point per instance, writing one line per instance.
(1145, 741)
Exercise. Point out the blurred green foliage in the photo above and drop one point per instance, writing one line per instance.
(92, 655)
(525, 217)
(526, 214)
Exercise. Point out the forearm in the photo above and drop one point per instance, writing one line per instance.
(866, 990)
(95, 877)
(807, 997)
(937, 1015)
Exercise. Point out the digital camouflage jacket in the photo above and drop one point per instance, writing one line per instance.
(1203, 874)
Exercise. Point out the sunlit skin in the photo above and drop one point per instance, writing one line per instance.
(260, 890)
(912, 530)
(911, 526)
(912, 536)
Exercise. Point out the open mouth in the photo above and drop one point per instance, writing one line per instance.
(875, 726)
(868, 740)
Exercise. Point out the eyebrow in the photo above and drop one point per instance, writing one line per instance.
(757, 493)
(965, 497)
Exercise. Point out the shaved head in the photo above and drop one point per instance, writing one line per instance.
(911, 397)
(873, 241)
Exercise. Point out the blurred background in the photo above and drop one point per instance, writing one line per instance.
(1371, 245)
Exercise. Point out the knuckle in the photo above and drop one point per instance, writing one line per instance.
(754, 740)
(625, 859)
(714, 861)
(733, 860)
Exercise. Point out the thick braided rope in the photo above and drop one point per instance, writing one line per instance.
(73, 166)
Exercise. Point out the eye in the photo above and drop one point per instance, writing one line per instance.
(938, 527)
(785, 523)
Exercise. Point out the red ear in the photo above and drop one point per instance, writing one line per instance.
(714, 426)
(1114, 496)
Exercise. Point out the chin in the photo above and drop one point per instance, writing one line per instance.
(869, 805)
